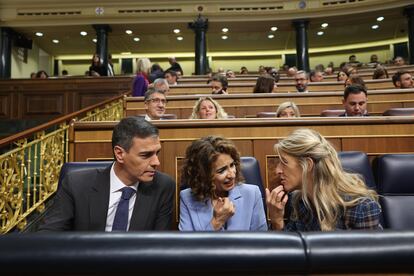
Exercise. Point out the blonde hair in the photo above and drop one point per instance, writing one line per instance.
(285, 105)
(220, 113)
(333, 189)
(143, 65)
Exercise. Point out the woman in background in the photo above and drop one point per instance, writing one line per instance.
(207, 108)
(314, 190)
(287, 110)
(97, 68)
(264, 84)
(141, 81)
(215, 199)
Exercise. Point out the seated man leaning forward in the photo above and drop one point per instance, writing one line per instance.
(154, 102)
(355, 101)
(129, 195)
(215, 199)
(314, 191)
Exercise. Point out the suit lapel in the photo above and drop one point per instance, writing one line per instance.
(99, 200)
(143, 205)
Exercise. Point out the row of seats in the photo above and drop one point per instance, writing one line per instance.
(408, 111)
(195, 253)
(394, 181)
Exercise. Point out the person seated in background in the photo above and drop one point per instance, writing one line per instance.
(264, 84)
(33, 75)
(230, 74)
(141, 81)
(207, 108)
(380, 73)
(160, 84)
(302, 80)
(355, 79)
(352, 61)
(399, 61)
(373, 60)
(314, 191)
(329, 71)
(316, 76)
(65, 73)
(355, 101)
(403, 79)
(221, 72)
(291, 72)
(218, 84)
(287, 110)
(175, 66)
(342, 76)
(128, 195)
(156, 72)
(262, 70)
(154, 103)
(215, 199)
(171, 77)
(244, 71)
(42, 75)
(97, 68)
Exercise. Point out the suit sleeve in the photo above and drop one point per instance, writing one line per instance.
(164, 219)
(258, 222)
(60, 215)
(185, 218)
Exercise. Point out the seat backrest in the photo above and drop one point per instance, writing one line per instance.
(251, 172)
(78, 166)
(266, 115)
(395, 179)
(168, 117)
(358, 162)
(332, 112)
(408, 111)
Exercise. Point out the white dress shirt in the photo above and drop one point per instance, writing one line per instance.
(115, 194)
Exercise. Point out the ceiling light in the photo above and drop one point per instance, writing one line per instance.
(225, 30)
(128, 32)
(380, 18)
(176, 31)
(94, 40)
(39, 34)
(224, 37)
(271, 36)
(320, 33)
(273, 29)
(324, 25)
(180, 38)
(55, 41)
(83, 33)
(136, 39)
(374, 27)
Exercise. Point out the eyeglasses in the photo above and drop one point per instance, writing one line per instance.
(157, 101)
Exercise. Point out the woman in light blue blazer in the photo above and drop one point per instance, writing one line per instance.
(215, 199)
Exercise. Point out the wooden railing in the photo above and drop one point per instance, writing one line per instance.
(30, 168)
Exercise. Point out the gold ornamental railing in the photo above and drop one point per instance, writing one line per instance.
(29, 172)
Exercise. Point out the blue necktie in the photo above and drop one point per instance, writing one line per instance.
(121, 215)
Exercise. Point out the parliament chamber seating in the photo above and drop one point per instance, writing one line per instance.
(332, 112)
(208, 253)
(395, 180)
(266, 115)
(358, 162)
(408, 111)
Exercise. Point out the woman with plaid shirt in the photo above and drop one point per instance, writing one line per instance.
(315, 193)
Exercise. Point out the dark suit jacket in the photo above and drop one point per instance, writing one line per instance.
(81, 203)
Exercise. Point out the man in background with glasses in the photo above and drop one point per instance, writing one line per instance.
(155, 103)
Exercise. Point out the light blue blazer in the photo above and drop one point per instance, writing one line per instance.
(249, 214)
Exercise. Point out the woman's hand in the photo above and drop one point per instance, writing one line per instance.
(223, 209)
(276, 201)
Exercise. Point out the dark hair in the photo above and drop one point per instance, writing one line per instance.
(198, 165)
(397, 76)
(379, 72)
(313, 73)
(39, 73)
(156, 67)
(339, 72)
(222, 79)
(354, 89)
(354, 79)
(93, 57)
(151, 91)
(171, 72)
(264, 84)
(132, 127)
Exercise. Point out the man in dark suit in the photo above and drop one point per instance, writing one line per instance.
(90, 200)
(355, 101)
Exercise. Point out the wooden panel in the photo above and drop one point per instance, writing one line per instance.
(42, 105)
(5, 106)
